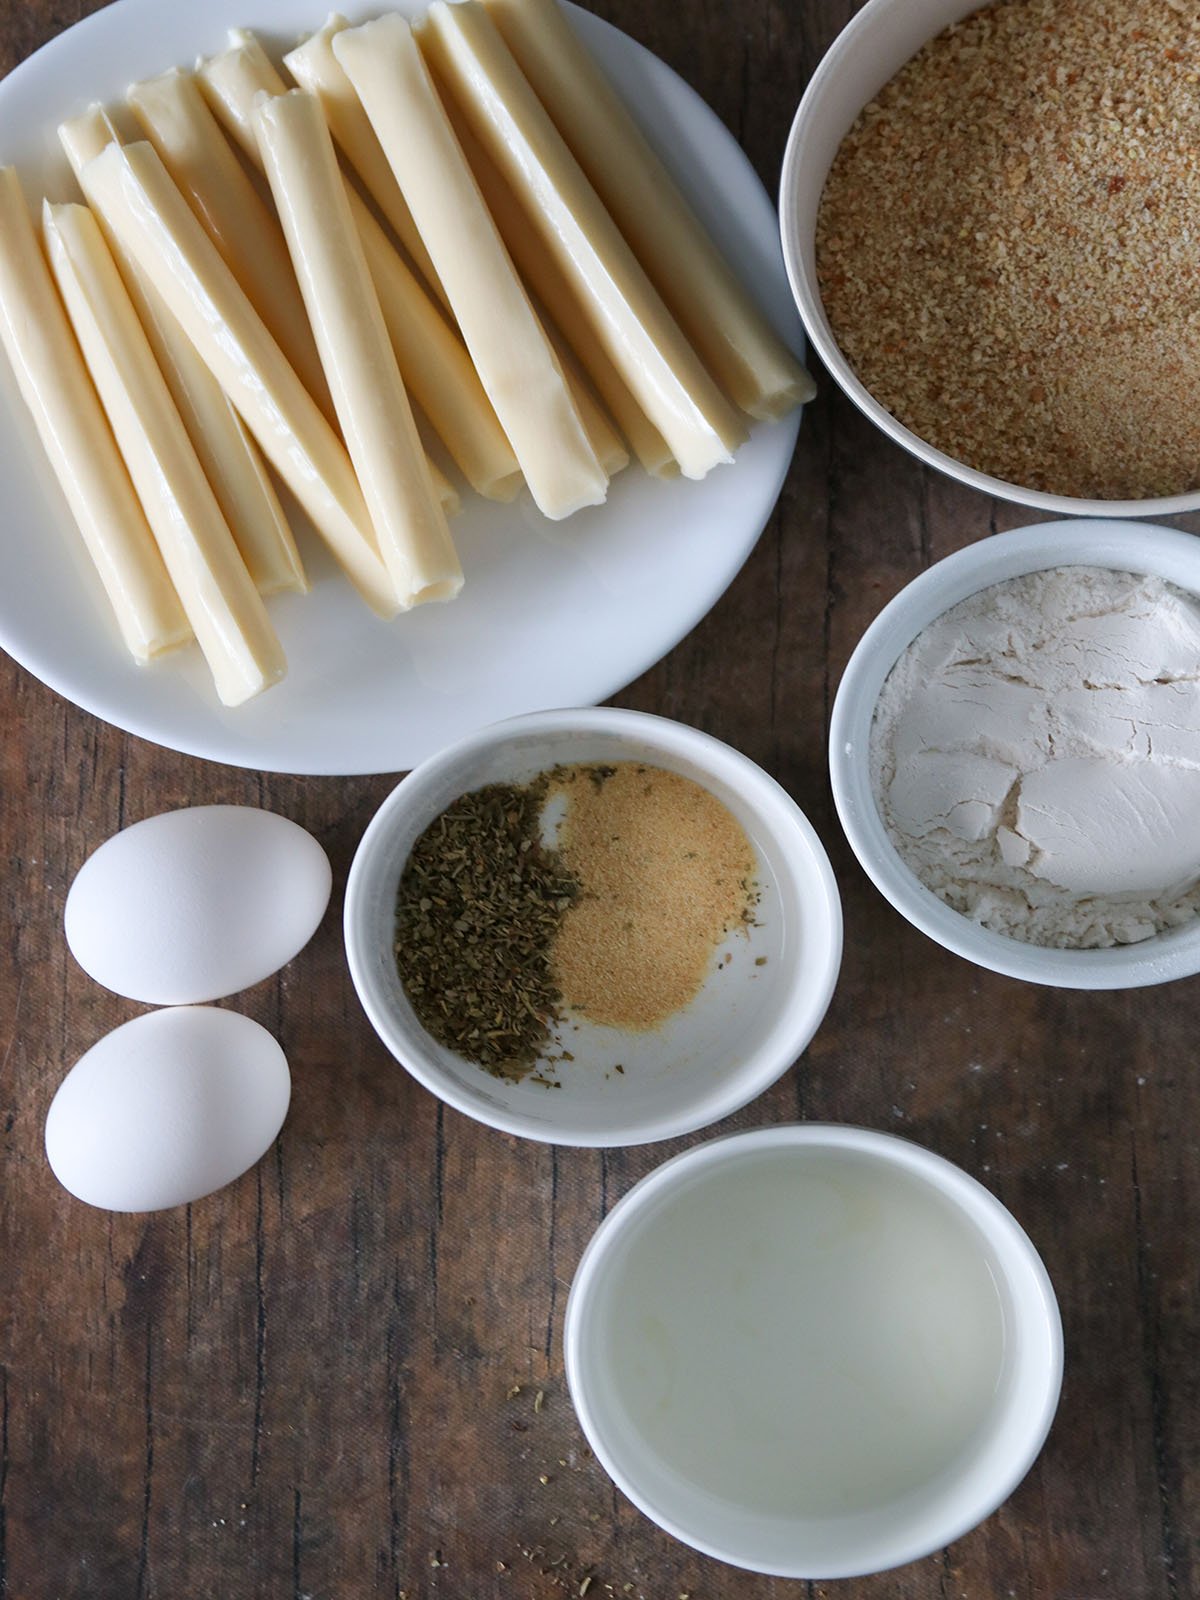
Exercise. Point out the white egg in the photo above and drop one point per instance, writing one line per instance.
(167, 1108)
(196, 904)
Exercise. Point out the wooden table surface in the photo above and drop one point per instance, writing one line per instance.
(322, 1382)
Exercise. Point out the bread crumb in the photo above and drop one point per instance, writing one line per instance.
(1007, 246)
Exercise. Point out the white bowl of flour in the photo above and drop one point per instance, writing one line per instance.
(1015, 753)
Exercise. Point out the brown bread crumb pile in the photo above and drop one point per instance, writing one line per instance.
(1008, 245)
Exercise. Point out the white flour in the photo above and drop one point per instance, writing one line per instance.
(1035, 756)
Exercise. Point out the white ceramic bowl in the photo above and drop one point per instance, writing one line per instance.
(1122, 546)
(995, 1451)
(744, 1029)
(868, 52)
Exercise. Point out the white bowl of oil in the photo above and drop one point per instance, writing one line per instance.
(767, 988)
(815, 1352)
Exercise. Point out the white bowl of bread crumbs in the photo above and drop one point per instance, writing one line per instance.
(1014, 753)
(593, 927)
(989, 219)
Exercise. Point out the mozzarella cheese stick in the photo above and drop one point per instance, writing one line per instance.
(448, 496)
(79, 445)
(223, 606)
(434, 363)
(713, 307)
(606, 441)
(436, 368)
(231, 463)
(230, 82)
(133, 191)
(555, 295)
(343, 310)
(315, 68)
(624, 310)
(175, 118)
(515, 362)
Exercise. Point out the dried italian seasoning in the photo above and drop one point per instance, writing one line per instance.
(480, 902)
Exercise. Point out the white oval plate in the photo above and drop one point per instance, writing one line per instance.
(552, 614)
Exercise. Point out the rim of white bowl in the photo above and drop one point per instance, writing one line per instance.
(1121, 546)
(1014, 1252)
(799, 260)
(800, 1015)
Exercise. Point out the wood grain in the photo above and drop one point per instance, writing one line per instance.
(322, 1382)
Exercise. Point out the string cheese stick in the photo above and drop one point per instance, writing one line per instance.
(223, 606)
(132, 189)
(315, 68)
(606, 441)
(434, 363)
(448, 496)
(714, 309)
(436, 368)
(545, 279)
(372, 407)
(516, 365)
(175, 118)
(79, 445)
(231, 81)
(619, 302)
(231, 463)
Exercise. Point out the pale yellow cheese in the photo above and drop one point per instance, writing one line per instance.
(447, 495)
(545, 279)
(176, 119)
(621, 305)
(231, 81)
(434, 363)
(78, 441)
(315, 68)
(436, 368)
(223, 606)
(343, 310)
(516, 364)
(713, 307)
(132, 189)
(230, 460)
(606, 441)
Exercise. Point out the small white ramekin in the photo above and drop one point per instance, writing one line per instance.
(749, 1023)
(1122, 546)
(850, 1545)
(868, 52)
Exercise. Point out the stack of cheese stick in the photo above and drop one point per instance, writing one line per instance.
(501, 272)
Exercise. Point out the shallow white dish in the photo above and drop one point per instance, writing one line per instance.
(745, 1027)
(868, 52)
(675, 1327)
(1122, 546)
(551, 614)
